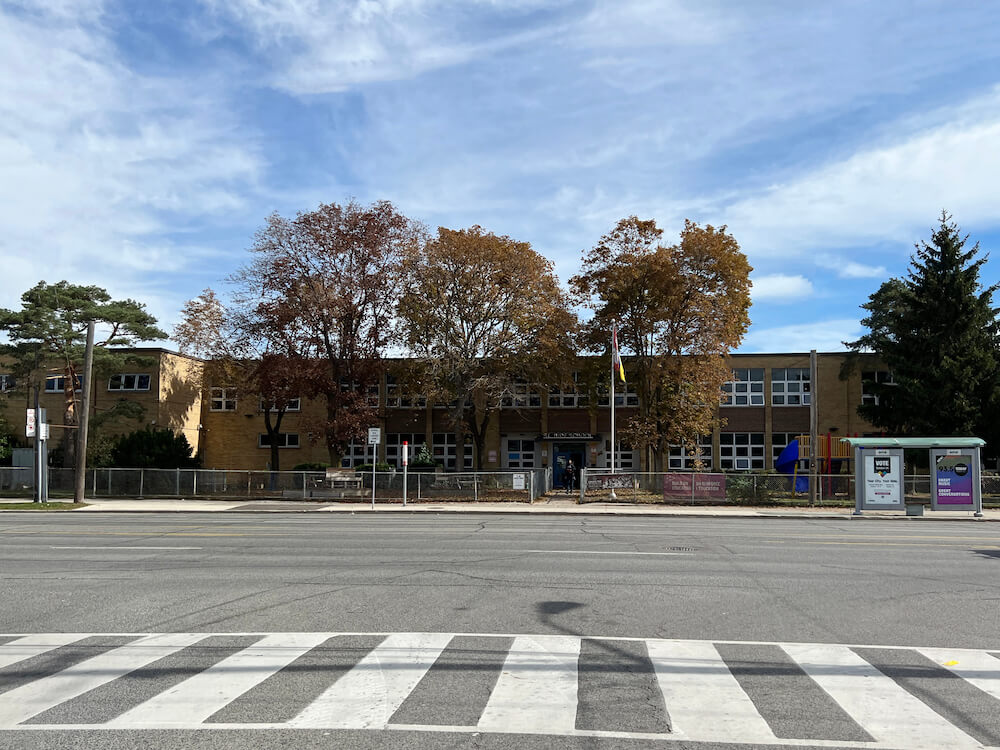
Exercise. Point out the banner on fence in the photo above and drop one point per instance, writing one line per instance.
(610, 481)
(694, 486)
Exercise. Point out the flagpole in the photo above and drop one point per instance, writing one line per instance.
(614, 373)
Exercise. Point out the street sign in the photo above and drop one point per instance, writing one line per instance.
(374, 435)
(29, 427)
(43, 431)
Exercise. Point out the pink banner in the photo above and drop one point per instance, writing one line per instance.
(694, 486)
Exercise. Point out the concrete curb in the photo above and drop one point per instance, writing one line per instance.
(560, 508)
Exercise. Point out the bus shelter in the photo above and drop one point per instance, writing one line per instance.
(954, 472)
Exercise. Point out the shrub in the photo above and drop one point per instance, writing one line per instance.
(153, 449)
(311, 466)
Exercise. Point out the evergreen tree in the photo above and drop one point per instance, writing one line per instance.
(937, 331)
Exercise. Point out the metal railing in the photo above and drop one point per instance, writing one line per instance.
(745, 488)
(493, 486)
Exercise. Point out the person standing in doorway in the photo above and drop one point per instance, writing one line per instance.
(569, 477)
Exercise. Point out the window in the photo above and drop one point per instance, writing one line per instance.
(625, 395)
(293, 404)
(371, 395)
(129, 382)
(522, 396)
(790, 386)
(398, 397)
(569, 398)
(445, 450)
(870, 382)
(56, 383)
(745, 389)
(779, 441)
(7, 383)
(682, 457)
(223, 399)
(357, 453)
(282, 440)
(394, 446)
(520, 453)
(625, 457)
(741, 450)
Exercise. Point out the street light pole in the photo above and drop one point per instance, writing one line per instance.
(81, 444)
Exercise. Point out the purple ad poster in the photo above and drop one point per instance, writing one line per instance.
(953, 477)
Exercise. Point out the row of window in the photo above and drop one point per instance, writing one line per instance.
(790, 386)
(738, 451)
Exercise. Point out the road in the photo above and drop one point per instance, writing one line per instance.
(502, 631)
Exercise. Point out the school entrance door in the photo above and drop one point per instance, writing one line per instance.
(564, 453)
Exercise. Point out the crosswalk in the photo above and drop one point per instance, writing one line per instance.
(727, 692)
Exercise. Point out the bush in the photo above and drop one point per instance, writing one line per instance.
(378, 467)
(746, 489)
(311, 466)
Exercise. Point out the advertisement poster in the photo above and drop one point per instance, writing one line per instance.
(953, 478)
(883, 480)
(694, 486)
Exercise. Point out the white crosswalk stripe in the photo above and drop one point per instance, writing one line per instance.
(534, 689)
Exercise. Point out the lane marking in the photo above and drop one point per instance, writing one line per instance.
(200, 696)
(596, 552)
(537, 689)
(887, 712)
(27, 646)
(35, 697)
(125, 548)
(704, 700)
(368, 695)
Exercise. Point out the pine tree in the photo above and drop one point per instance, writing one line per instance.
(937, 332)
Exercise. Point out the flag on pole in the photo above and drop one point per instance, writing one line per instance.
(616, 360)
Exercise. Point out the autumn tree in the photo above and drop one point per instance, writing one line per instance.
(938, 334)
(244, 353)
(326, 283)
(480, 312)
(48, 335)
(680, 310)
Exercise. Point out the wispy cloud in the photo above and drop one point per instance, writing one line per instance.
(105, 169)
(882, 194)
(825, 335)
(851, 269)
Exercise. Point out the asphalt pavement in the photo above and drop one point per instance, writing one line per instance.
(603, 605)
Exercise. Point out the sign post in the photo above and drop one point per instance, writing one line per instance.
(406, 462)
(374, 438)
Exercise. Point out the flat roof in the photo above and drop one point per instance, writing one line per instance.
(915, 442)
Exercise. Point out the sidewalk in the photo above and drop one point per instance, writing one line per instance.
(543, 506)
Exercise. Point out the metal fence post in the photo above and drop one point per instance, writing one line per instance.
(418, 487)
(95, 482)
(304, 493)
(194, 481)
(475, 487)
(531, 486)
(109, 482)
(177, 482)
(142, 474)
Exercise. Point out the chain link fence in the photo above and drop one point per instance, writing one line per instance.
(682, 488)
(507, 486)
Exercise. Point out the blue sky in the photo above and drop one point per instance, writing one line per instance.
(143, 143)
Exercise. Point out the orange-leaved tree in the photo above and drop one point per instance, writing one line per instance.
(482, 313)
(680, 310)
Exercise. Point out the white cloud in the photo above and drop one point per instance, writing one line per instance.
(823, 336)
(780, 287)
(850, 269)
(101, 163)
(890, 193)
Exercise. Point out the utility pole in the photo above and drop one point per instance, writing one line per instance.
(813, 427)
(81, 443)
(38, 448)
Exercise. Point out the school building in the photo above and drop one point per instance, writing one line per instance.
(765, 406)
